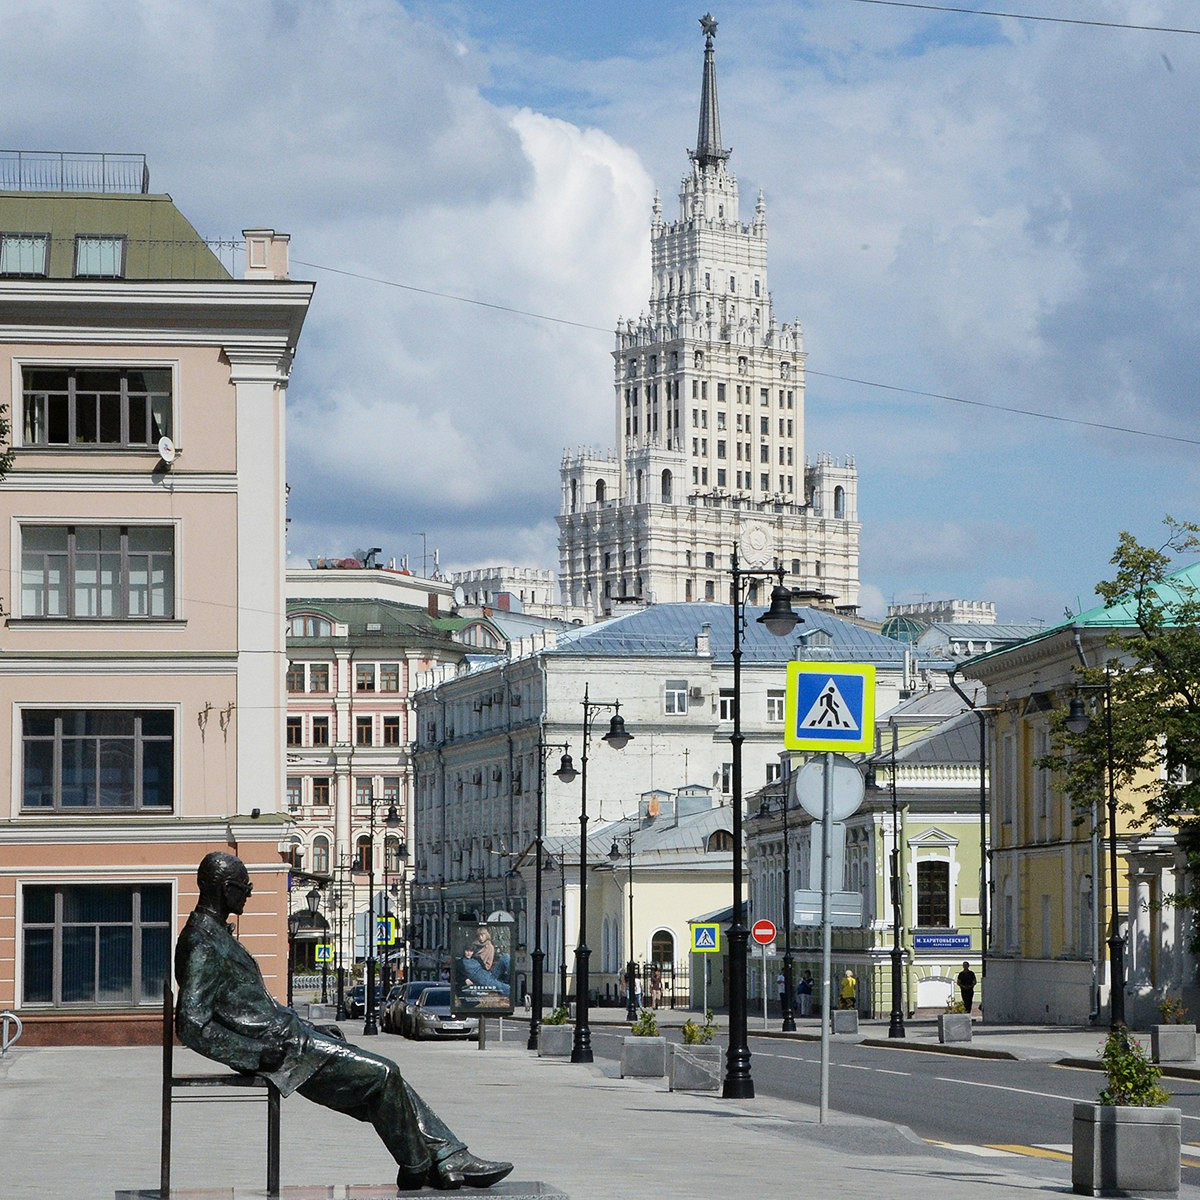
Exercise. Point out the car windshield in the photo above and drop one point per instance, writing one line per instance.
(436, 999)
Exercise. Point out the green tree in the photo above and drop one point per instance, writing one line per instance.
(1152, 682)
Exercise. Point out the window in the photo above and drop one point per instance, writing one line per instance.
(364, 731)
(720, 841)
(675, 697)
(389, 677)
(81, 572)
(391, 731)
(318, 677)
(96, 406)
(25, 254)
(362, 854)
(320, 790)
(306, 626)
(775, 705)
(774, 772)
(295, 677)
(391, 789)
(393, 857)
(933, 895)
(98, 759)
(364, 791)
(725, 705)
(295, 792)
(96, 944)
(99, 256)
(295, 731)
(364, 677)
(320, 731)
(726, 778)
(320, 855)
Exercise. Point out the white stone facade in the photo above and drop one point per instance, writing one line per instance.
(709, 424)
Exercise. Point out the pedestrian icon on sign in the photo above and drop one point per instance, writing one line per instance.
(830, 711)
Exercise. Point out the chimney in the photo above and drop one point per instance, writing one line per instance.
(431, 604)
(704, 640)
(266, 254)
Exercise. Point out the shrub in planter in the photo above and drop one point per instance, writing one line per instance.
(555, 1035)
(1128, 1142)
(699, 1035)
(644, 1053)
(696, 1065)
(1174, 1040)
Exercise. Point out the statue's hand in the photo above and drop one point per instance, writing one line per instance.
(273, 1052)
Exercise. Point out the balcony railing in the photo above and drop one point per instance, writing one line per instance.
(59, 171)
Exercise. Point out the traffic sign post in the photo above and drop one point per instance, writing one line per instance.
(763, 932)
(706, 939)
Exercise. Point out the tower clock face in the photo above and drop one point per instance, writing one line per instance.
(757, 546)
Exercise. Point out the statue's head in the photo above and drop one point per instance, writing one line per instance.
(224, 882)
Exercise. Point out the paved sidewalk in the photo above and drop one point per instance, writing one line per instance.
(83, 1123)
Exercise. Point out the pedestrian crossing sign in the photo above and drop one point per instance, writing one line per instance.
(706, 939)
(324, 952)
(829, 706)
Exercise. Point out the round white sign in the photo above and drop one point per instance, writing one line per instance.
(808, 787)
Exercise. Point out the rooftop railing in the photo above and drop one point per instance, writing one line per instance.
(63, 171)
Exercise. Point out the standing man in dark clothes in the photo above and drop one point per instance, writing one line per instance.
(966, 985)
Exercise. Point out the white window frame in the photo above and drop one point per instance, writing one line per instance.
(675, 697)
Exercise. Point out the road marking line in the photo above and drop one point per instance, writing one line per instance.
(978, 1151)
(999, 1087)
(1033, 1152)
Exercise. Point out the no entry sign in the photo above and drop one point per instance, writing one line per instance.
(763, 932)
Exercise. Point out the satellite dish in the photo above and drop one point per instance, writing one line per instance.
(460, 597)
(166, 450)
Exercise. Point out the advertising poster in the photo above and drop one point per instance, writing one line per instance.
(481, 968)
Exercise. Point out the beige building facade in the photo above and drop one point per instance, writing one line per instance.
(142, 526)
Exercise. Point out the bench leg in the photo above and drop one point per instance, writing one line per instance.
(272, 1142)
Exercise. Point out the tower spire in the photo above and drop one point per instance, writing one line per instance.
(708, 138)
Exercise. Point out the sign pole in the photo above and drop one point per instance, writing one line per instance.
(826, 933)
(764, 975)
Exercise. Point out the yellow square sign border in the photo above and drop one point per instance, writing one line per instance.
(866, 740)
(715, 948)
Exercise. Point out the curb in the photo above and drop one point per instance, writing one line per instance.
(929, 1048)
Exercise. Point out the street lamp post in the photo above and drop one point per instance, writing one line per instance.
(618, 739)
(896, 1024)
(566, 773)
(630, 966)
(1076, 722)
(789, 1002)
(780, 619)
(392, 821)
(339, 905)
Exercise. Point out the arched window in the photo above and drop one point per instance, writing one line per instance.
(392, 858)
(662, 946)
(666, 487)
(320, 855)
(638, 486)
(839, 502)
(362, 854)
(599, 491)
(574, 494)
(719, 841)
(308, 625)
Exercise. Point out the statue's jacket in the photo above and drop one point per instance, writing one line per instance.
(226, 1013)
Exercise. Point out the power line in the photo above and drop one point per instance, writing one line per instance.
(988, 12)
(889, 387)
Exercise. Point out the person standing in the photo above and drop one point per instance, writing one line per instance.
(966, 985)
(781, 988)
(804, 994)
(848, 991)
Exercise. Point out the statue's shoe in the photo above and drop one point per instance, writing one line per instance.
(409, 1179)
(464, 1169)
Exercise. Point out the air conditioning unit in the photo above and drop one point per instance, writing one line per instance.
(696, 693)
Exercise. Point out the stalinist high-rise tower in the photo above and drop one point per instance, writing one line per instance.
(710, 421)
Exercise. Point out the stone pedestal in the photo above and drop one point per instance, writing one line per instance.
(695, 1068)
(1173, 1043)
(845, 1020)
(555, 1041)
(954, 1027)
(643, 1057)
(1117, 1150)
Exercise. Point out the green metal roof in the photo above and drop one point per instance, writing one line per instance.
(372, 621)
(160, 242)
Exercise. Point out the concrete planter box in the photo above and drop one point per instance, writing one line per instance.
(1173, 1043)
(954, 1027)
(695, 1068)
(1116, 1150)
(643, 1057)
(555, 1041)
(845, 1020)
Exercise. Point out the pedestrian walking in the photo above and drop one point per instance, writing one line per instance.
(656, 986)
(848, 990)
(966, 985)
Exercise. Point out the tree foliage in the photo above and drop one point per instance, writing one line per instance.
(1152, 684)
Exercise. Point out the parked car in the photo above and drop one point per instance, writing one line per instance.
(402, 1008)
(431, 1017)
(385, 1007)
(356, 1001)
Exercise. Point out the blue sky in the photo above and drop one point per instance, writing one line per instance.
(997, 210)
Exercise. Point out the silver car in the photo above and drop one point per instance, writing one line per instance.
(431, 1017)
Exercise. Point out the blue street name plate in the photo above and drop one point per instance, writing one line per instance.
(941, 941)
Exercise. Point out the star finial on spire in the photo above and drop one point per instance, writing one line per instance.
(709, 24)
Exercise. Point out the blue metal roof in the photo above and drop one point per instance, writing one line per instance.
(671, 629)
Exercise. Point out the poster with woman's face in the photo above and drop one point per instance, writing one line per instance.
(481, 968)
